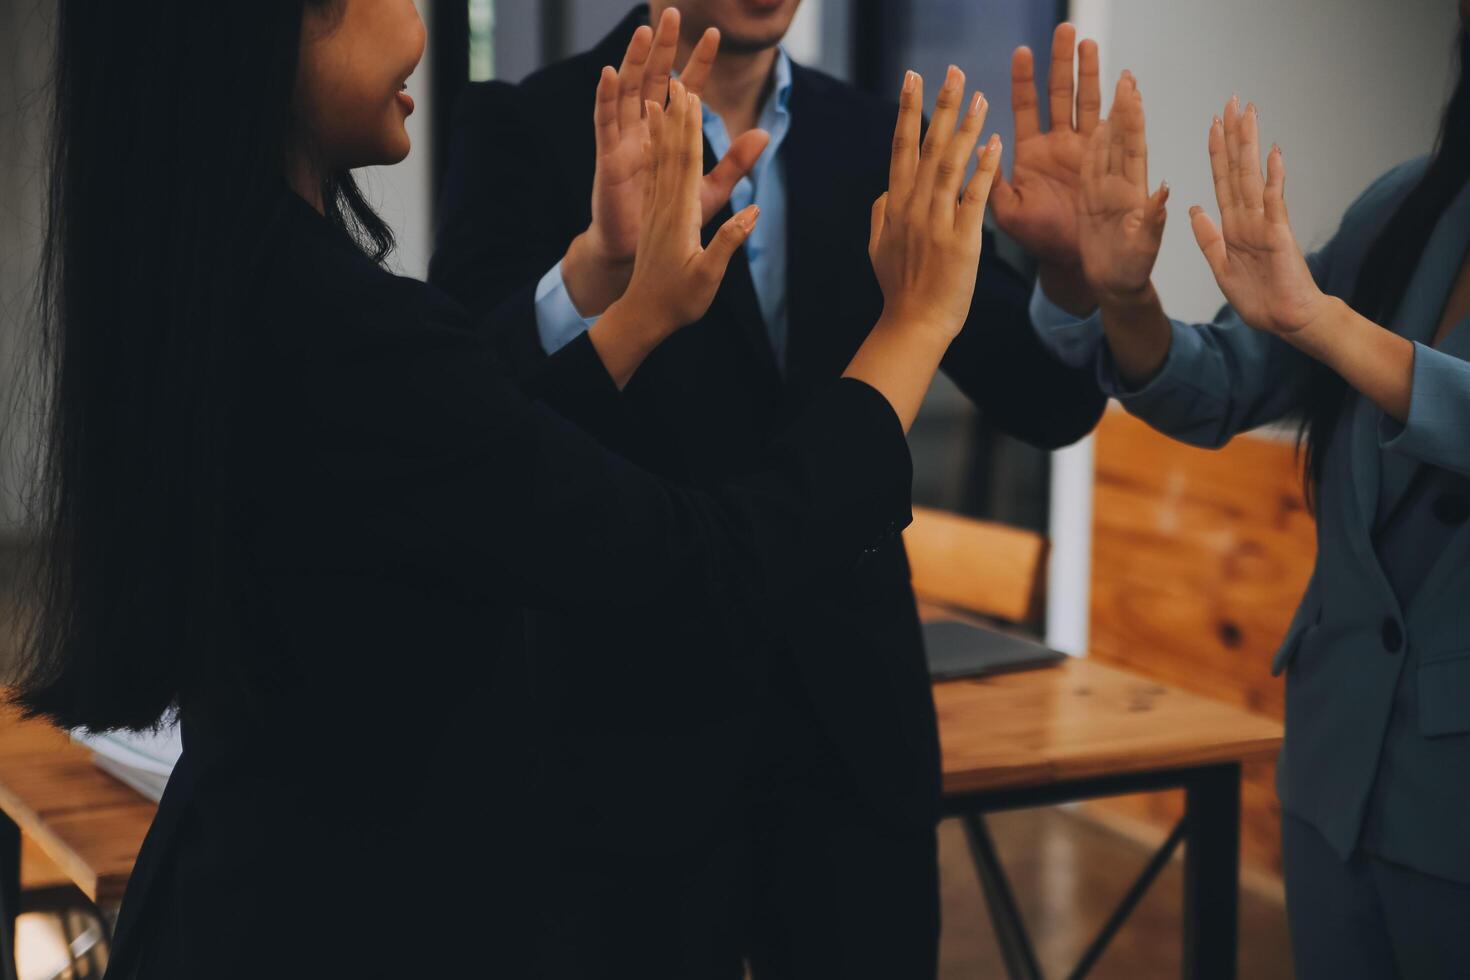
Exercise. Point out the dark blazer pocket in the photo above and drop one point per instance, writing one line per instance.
(1444, 695)
(1291, 648)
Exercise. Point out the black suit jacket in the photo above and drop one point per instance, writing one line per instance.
(708, 403)
(401, 497)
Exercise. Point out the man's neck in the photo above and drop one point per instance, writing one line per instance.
(738, 85)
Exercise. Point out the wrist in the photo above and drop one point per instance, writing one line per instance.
(1066, 286)
(927, 330)
(1122, 304)
(594, 279)
(645, 324)
(1138, 334)
(1321, 334)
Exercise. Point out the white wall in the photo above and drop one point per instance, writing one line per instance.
(403, 194)
(1347, 87)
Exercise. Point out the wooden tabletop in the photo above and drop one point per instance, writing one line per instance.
(1081, 720)
(87, 823)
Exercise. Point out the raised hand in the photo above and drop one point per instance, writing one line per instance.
(1038, 205)
(1253, 253)
(925, 239)
(1120, 224)
(674, 277)
(925, 242)
(598, 264)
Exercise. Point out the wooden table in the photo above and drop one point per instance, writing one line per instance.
(87, 823)
(1072, 732)
(1080, 731)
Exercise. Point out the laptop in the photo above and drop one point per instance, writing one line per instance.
(956, 649)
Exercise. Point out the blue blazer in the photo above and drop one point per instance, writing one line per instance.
(1377, 751)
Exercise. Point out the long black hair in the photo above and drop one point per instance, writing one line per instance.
(1389, 265)
(171, 123)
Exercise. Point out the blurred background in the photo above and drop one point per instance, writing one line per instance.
(1348, 87)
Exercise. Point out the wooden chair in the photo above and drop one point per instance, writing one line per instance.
(976, 567)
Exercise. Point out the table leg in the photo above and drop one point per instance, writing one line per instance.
(9, 894)
(1212, 872)
(1005, 915)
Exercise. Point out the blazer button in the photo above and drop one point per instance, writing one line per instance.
(1393, 635)
(1452, 509)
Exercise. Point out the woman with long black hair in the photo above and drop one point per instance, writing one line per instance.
(300, 501)
(1366, 342)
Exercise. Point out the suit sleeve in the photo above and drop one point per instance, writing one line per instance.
(1001, 364)
(1439, 413)
(420, 441)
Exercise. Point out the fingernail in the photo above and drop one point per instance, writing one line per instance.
(1216, 121)
(951, 77)
(1194, 209)
(975, 103)
(909, 78)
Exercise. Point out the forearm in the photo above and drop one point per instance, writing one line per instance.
(623, 339)
(1138, 334)
(1377, 362)
(899, 360)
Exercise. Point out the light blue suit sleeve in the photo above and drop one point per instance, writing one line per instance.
(557, 321)
(1439, 413)
(1219, 378)
(1072, 341)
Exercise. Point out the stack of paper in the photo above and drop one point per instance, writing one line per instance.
(143, 760)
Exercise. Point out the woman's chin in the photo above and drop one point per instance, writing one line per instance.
(394, 151)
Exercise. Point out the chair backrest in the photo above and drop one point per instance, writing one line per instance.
(977, 566)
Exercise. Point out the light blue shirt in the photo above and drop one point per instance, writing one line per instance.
(1075, 342)
(557, 321)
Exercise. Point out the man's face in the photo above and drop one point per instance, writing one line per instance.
(745, 25)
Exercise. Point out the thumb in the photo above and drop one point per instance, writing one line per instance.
(1003, 198)
(731, 236)
(1209, 240)
(737, 162)
(875, 229)
(1157, 211)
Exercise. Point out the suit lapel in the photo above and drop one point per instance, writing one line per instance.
(821, 194)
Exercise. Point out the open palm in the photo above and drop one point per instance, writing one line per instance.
(1120, 225)
(1038, 205)
(621, 126)
(1253, 254)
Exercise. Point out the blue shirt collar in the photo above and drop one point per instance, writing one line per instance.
(776, 112)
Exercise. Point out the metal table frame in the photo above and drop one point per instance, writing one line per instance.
(1210, 832)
